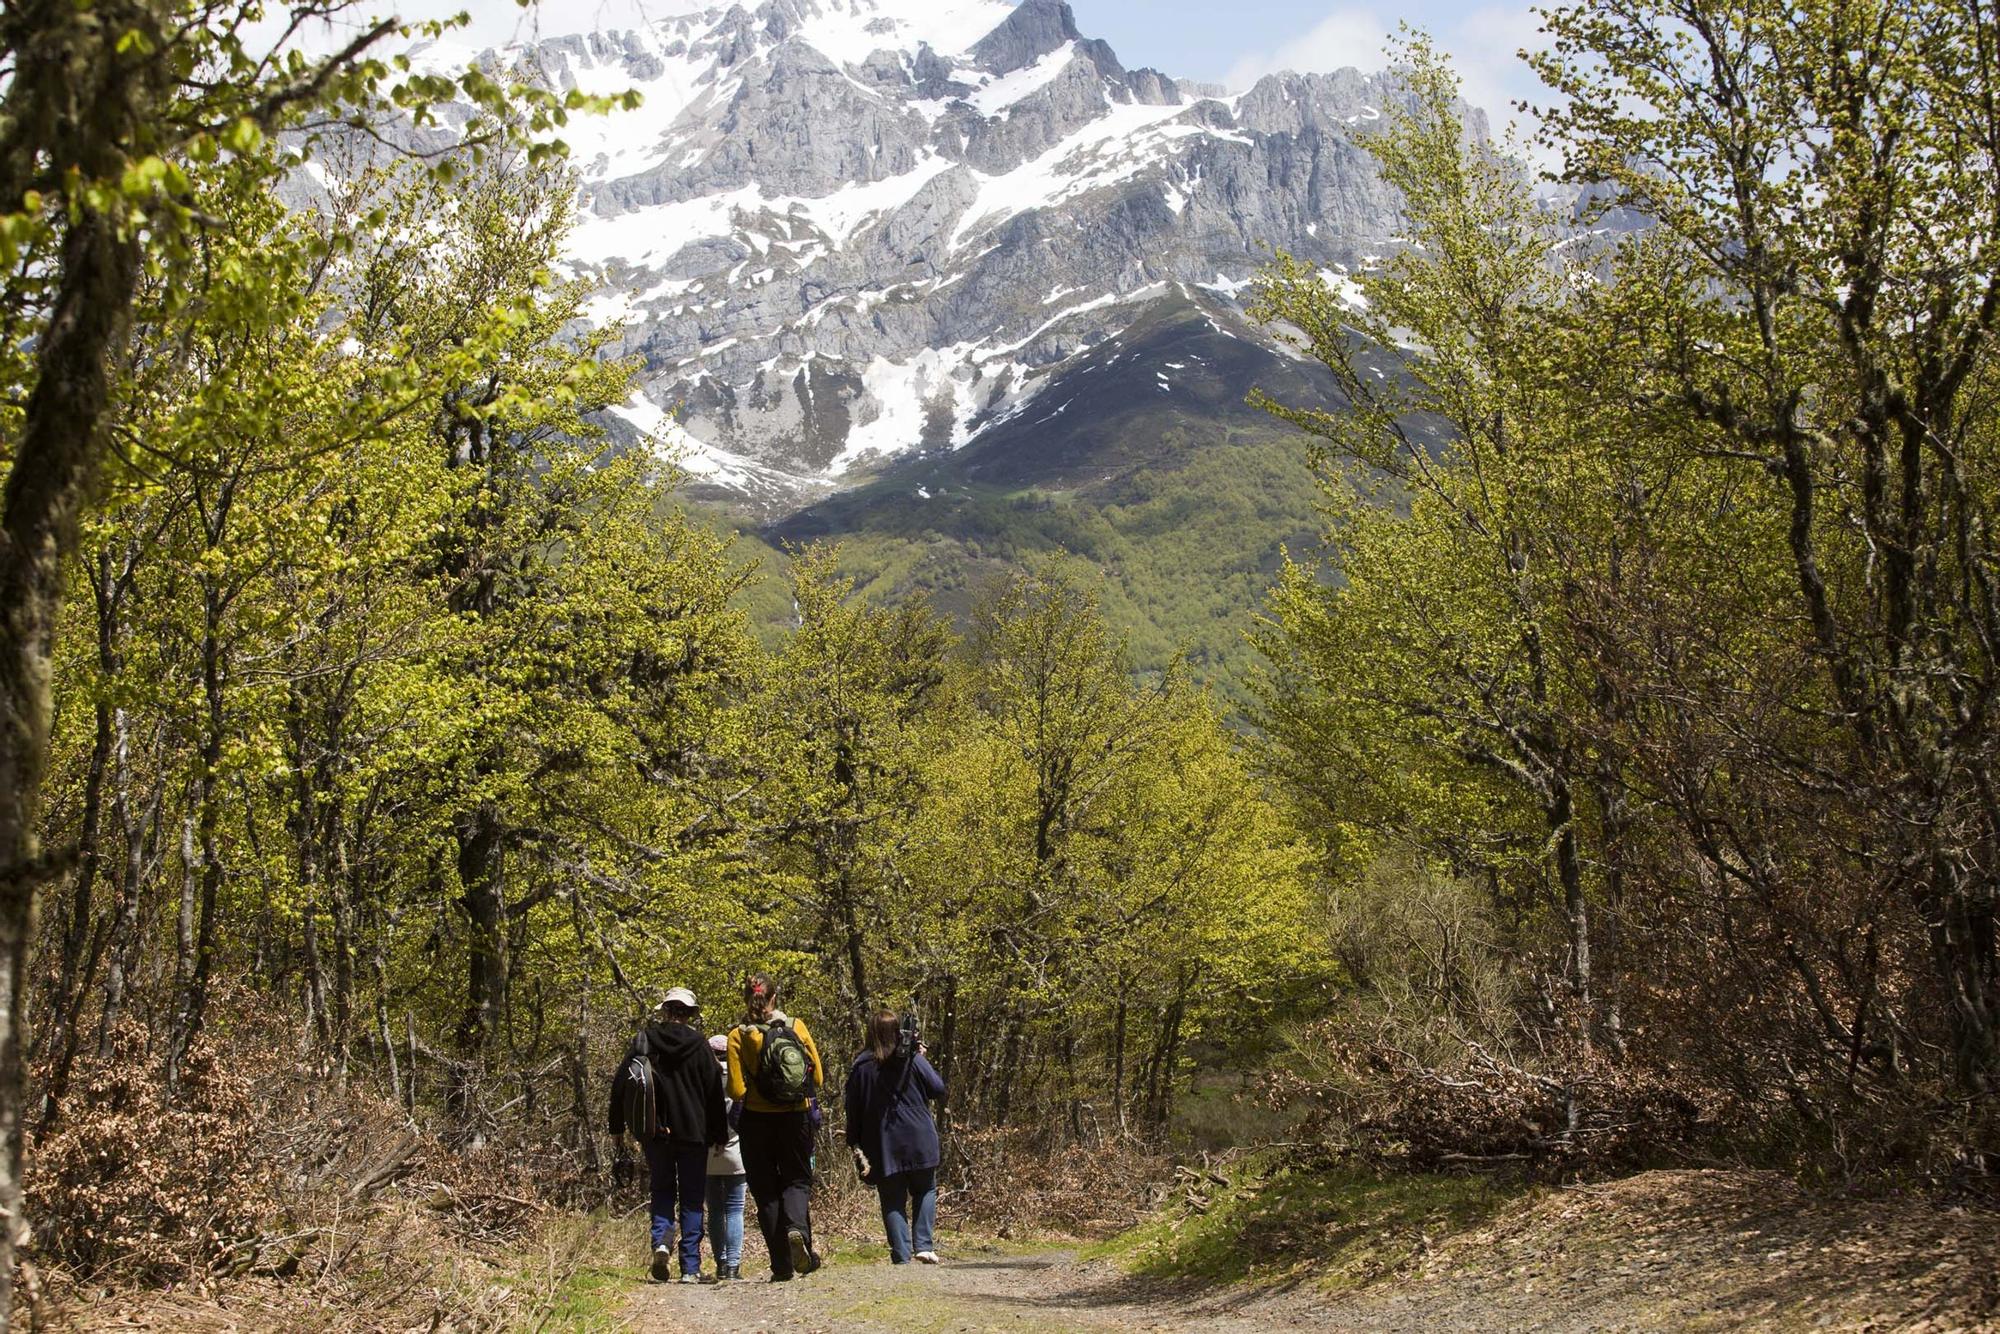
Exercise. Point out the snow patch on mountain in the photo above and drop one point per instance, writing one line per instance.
(998, 95)
(852, 30)
(1109, 150)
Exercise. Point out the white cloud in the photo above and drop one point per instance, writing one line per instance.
(1350, 36)
(1485, 49)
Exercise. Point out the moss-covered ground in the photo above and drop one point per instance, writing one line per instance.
(1337, 1227)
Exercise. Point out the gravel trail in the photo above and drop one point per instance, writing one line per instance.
(1709, 1250)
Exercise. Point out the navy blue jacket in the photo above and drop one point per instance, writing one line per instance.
(889, 1115)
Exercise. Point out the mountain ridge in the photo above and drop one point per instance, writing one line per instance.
(843, 234)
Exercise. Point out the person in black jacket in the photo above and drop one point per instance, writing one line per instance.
(691, 1117)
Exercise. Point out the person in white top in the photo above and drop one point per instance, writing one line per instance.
(727, 1185)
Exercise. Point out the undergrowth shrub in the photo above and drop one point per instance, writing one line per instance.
(1449, 1049)
(300, 1197)
(1008, 1182)
(153, 1188)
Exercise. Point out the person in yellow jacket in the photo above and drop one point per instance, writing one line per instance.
(774, 1053)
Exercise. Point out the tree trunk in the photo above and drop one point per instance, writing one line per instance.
(54, 470)
(315, 979)
(1965, 949)
(341, 900)
(137, 833)
(179, 1035)
(66, 999)
(1575, 902)
(856, 963)
(580, 1111)
(1073, 1105)
(1010, 1062)
(208, 814)
(482, 873)
(1166, 1051)
(1118, 1061)
(947, 1050)
(382, 1033)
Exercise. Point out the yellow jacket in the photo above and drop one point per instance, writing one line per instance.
(746, 1049)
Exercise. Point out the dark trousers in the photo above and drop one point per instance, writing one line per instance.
(680, 1187)
(777, 1157)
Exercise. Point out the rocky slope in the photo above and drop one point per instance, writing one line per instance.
(841, 233)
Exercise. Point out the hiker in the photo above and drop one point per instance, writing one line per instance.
(675, 1120)
(774, 1068)
(726, 1184)
(892, 1134)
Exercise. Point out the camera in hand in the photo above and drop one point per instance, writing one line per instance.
(909, 1037)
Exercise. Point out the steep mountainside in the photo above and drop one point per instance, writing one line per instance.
(1140, 457)
(843, 232)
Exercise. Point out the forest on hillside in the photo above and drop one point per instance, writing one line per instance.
(377, 743)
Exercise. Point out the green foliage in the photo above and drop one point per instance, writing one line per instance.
(1179, 551)
(351, 676)
(1421, 692)
(1677, 643)
(387, 688)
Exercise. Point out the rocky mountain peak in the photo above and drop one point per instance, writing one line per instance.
(1035, 29)
(840, 233)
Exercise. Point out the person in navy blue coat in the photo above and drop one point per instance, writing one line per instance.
(895, 1141)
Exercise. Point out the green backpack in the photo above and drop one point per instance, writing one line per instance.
(784, 1067)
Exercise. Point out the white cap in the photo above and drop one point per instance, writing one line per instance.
(680, 996)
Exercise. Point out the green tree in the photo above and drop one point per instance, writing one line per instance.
(1817, 301)
(1460, 487)
(1103, 882)
(848, 707)
(104, 109)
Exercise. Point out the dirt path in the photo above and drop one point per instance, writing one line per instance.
(1035, 1293)
(1664, 1251)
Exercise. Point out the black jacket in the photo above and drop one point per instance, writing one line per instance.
(690, 1085)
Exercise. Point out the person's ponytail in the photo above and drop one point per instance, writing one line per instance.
(760, 994)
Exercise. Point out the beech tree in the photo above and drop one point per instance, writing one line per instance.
(101, 105)
(1443, 644)
(1822, 300)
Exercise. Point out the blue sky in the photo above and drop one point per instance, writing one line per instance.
(1215, 41)
(1232, 43)
(1207, 40)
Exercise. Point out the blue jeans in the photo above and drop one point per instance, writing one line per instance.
(918, 1188)
(725, 1218)
(680, 1175)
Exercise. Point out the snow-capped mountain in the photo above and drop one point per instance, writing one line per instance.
(841, 231)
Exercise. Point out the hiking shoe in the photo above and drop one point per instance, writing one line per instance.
(690, 1276)
(663, 1265)
(803, 1259)
(781, 1278)
(927, 1257)
(734, 1273)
